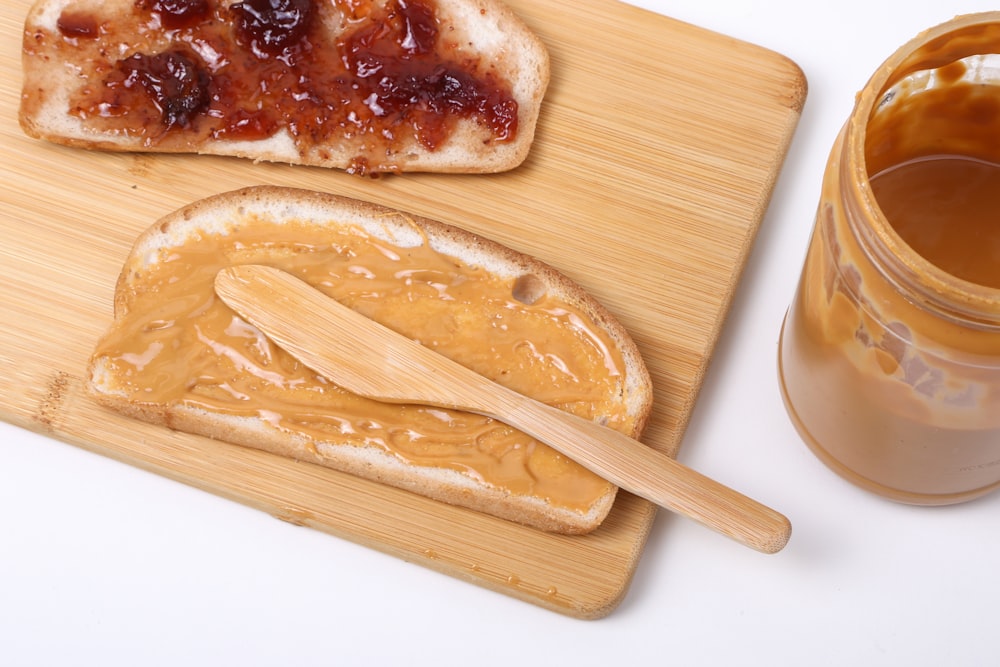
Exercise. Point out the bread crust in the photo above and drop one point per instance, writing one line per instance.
(221, 214)
(56, 67)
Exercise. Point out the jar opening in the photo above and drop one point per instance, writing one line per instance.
(924, 149)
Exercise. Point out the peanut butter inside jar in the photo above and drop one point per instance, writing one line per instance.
(890, 353)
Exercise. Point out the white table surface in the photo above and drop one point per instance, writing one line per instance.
(103, 564)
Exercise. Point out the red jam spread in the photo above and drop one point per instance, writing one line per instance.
(177, 13)
(390, 80)
(74, 25)
(273, 28)
(173, 81)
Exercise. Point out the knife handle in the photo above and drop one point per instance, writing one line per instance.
(645, 472)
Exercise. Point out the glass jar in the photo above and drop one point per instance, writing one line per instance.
(889, 360)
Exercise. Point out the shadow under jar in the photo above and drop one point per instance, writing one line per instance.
(889, 360)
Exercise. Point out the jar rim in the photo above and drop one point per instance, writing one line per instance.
(932, 48)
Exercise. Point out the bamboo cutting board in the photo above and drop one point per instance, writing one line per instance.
(655, 157)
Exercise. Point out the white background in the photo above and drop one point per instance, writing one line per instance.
(104, 564)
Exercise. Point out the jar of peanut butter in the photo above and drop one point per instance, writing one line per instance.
(889, 358)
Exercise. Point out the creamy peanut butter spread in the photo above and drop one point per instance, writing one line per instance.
(176, 343)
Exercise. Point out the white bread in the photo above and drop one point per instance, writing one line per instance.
(240, 216)
(57, 68)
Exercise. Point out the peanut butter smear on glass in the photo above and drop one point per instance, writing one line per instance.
(890, 352)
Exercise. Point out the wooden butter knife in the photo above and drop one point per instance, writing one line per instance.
(371, 360)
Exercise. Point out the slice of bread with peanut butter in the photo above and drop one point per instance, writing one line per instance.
(176, 355)
(364, 85)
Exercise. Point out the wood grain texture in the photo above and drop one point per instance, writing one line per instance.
(655, 157)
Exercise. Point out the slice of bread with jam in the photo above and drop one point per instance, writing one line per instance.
(368, 86)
